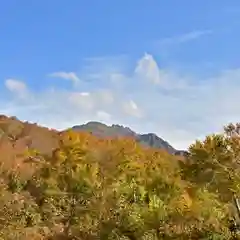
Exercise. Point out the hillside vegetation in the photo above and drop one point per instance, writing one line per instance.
(75, 185)
(147, 140)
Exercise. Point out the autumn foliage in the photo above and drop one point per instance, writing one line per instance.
(92, 188)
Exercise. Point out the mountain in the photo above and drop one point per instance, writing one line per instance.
(16, 136)
(148, 140)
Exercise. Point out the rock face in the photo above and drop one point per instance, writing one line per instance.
(148, 140)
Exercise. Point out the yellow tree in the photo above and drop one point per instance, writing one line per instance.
(66, 186)
(214, 165)
(19, 214)
(134, 194)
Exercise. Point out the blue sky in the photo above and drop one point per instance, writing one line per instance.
(169, 67)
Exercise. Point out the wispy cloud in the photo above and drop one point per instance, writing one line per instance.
(71, 76)
(148, 99)
(185, 37)
(16, 86)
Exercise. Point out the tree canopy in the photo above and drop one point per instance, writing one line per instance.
(92, 188)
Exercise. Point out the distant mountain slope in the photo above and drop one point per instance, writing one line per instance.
(17, 136)
(149, 140)
(152, 140)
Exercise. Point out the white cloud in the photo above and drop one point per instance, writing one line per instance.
(131, 108)
(16, 86)
(84, 93)
(103, 116)
(71, 76)
(185, 37)
(82, 100)
(147, 99)
(147, 68)
(193, 35)
(105, 95)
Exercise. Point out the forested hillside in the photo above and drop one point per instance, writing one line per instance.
(148, 139)
(75, 185)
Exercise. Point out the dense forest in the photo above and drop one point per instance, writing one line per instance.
(74, 185)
